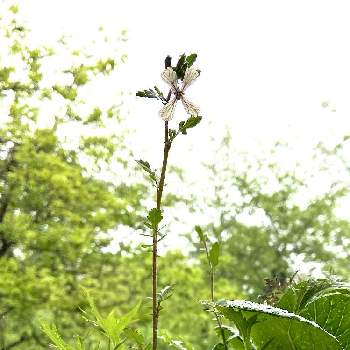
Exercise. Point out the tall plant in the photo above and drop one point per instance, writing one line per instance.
(178, 78)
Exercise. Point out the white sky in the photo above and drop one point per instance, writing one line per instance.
(267, 66)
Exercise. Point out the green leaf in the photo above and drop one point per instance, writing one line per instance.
(181, 67)
(324, 302)
(200, 233)
(272, 328)
(154, 217)
(135, 336)
(191, 59)
(165, 293)
(214, 254)
(191, 122)
(159, 94)
(178, 344)
(298, 295)
(147, 168)
(113, 326)
(232, 338)
(52, 332)
(150, 93)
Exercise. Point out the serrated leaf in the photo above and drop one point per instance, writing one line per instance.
(52, 332)
(154, 217)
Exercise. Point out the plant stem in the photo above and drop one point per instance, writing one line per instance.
(216, 315)
(212, 289)
(160, 187)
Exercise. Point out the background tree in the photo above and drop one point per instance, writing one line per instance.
(269, 220)
(57, 213)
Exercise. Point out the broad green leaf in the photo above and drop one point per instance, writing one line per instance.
(298, 295)
(324, 302)
(332, 313)
(272, 328)
(214, 254)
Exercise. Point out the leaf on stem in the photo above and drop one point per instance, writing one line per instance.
(200, 233)
(191, 122)
(150, 93)
(147, 168)
(191, 59)
(214, 254)
(154, 217)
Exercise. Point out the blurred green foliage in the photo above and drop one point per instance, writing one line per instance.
(58, 214)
